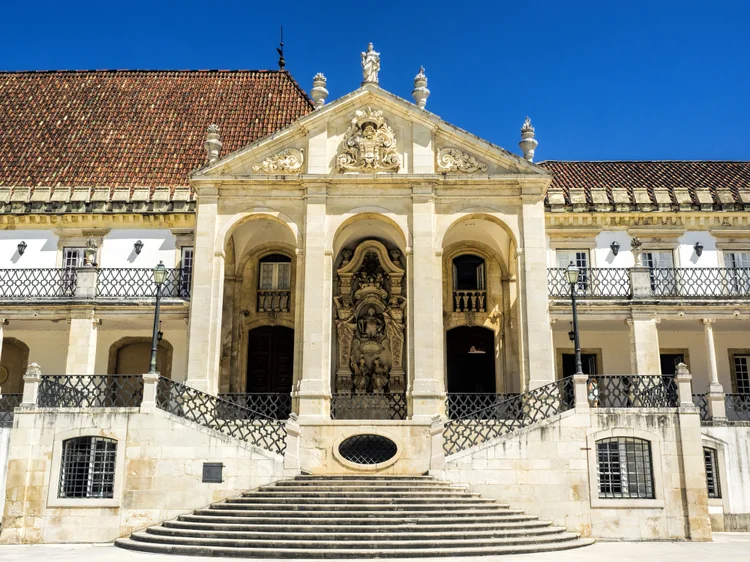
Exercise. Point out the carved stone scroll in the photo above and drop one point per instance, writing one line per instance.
(453, 160)
(287, 161)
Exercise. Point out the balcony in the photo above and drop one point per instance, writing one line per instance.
(644, 283)
(470, 301)
(87, 283)
(273, 300)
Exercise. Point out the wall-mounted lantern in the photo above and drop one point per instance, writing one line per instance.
(615, 247)
(138, 246)
(21, 247)
(698, 249)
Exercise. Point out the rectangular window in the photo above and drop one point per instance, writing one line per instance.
(737, 259)
(741, 365)
(738, 278)
(712, 472)
(624, 468)
(88, 468)
(275, 276)
(72, 257)
(662, 272)
(186, 270)
(579, 258)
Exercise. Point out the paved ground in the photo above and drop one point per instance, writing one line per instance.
(727, 547)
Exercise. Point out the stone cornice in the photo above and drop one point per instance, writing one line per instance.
(724, 222)
(98, 221)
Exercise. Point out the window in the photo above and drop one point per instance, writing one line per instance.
(579, 258)
(72, 257)
(88, 468)
(737, 259)
(741, 368)
(738, 278)
(186, 270)
(662, 272)
(624, 468)
(712, 472)
(468, 273)
(275, 273)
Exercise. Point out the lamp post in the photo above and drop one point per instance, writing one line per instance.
(572, 273)
(160, 272)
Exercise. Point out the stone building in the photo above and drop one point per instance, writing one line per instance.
(356, 287)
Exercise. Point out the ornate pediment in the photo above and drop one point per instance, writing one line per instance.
(287, 161)
(453, 160)
(369, 145)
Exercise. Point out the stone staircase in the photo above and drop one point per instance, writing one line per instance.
(354, 517)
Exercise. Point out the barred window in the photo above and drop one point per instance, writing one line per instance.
(712, 472)
(624, 468)
(88, 468)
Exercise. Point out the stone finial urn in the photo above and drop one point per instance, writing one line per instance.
(420, 93)
(528, 143)
(319, 92)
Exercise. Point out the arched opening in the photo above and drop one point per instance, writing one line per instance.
(15, 359)
(270, 360)
(469, 293)
(471, 360)
(132, 356)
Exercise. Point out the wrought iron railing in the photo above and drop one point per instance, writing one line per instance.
(700, 282)
(90, 391)
(632, 391)
(8, 403)
(737, 407)
(508, 415)
(273, 300)
(601, 282)
(276, 405)
(701, 402)
(222, 415)
(464, 404)
(470, 301)
(37, 283)
(387, 406)
(120, 282)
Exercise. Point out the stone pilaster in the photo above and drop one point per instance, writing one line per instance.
(537, 336)
(695, 493)
(313, 390)
(716, 405)
(425, 321)
(644, 345)
(82, 338)
(640, 281)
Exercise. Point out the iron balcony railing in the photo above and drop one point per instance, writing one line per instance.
(111, 283)
(737, 407)
(601, 282)
(8, 403)
(387, 406)
(90, 391)
(465, 404)
(701, 402)
(276, 405)
(632, 391)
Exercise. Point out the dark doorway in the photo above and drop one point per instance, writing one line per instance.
(588, 362)
(471, 360)
(669, 362)
(270, 359)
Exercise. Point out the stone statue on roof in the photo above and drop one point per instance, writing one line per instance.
(370, 65)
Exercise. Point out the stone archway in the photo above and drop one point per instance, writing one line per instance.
(132, 355)
(15, 359)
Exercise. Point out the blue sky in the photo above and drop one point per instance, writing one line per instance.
(601, 80)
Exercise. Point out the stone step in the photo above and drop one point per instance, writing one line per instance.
(320, 553)
(287, 534)
(378, 477)
(385, 542)
(359, 501)
(350, 526)
(270, 510)
(386, 519)
(364, 487)
(384, 493)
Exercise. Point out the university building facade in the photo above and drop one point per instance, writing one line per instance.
(356, 288)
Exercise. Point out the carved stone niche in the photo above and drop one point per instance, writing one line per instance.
(370, 321)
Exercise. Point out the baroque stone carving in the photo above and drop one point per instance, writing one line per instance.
(369, 145)
(370, 322)
(370, 65)
(287, 161)
(454, 160)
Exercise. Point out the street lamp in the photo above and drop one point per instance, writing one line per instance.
(572, 273)
(160, 272)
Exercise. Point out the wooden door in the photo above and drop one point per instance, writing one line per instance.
(270, 361)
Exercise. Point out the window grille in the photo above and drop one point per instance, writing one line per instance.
(88, 468)
(742, 374)
(624, 468)
(712, 472)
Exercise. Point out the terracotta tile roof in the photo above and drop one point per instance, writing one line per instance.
(723, 180)
(133, 128)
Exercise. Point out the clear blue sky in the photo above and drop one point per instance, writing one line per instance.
(601, 80)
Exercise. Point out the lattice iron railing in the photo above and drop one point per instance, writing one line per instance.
(222, 415)
(632, 391)
(701, 402)
(276, 405)
(37, 283)
(701, 282)
(737, 407)
(601, 282)
(387, 406)
(8, 403)
(90, 391)
(464, 404)
(138, 282)
(470, 301)
(272, 300)
(508, 415)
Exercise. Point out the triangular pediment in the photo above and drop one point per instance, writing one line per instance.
(370, 131)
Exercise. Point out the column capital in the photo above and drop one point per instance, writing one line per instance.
(708, 321)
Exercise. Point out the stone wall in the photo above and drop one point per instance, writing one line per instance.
(550, 470)
(158, 473)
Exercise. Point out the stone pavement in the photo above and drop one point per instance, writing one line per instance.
(728, 547)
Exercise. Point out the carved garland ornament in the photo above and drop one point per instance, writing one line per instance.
(453, 160)
(369, 145)
(287, 161)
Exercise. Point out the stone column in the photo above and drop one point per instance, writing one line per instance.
(537, 335)
(425, 321)
(640, 282)
(82, 338)
(206, 297)
(313, 390)
(716, 405)
(644, 345)
(86, 280)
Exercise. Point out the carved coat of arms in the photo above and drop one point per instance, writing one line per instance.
(369, 145)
